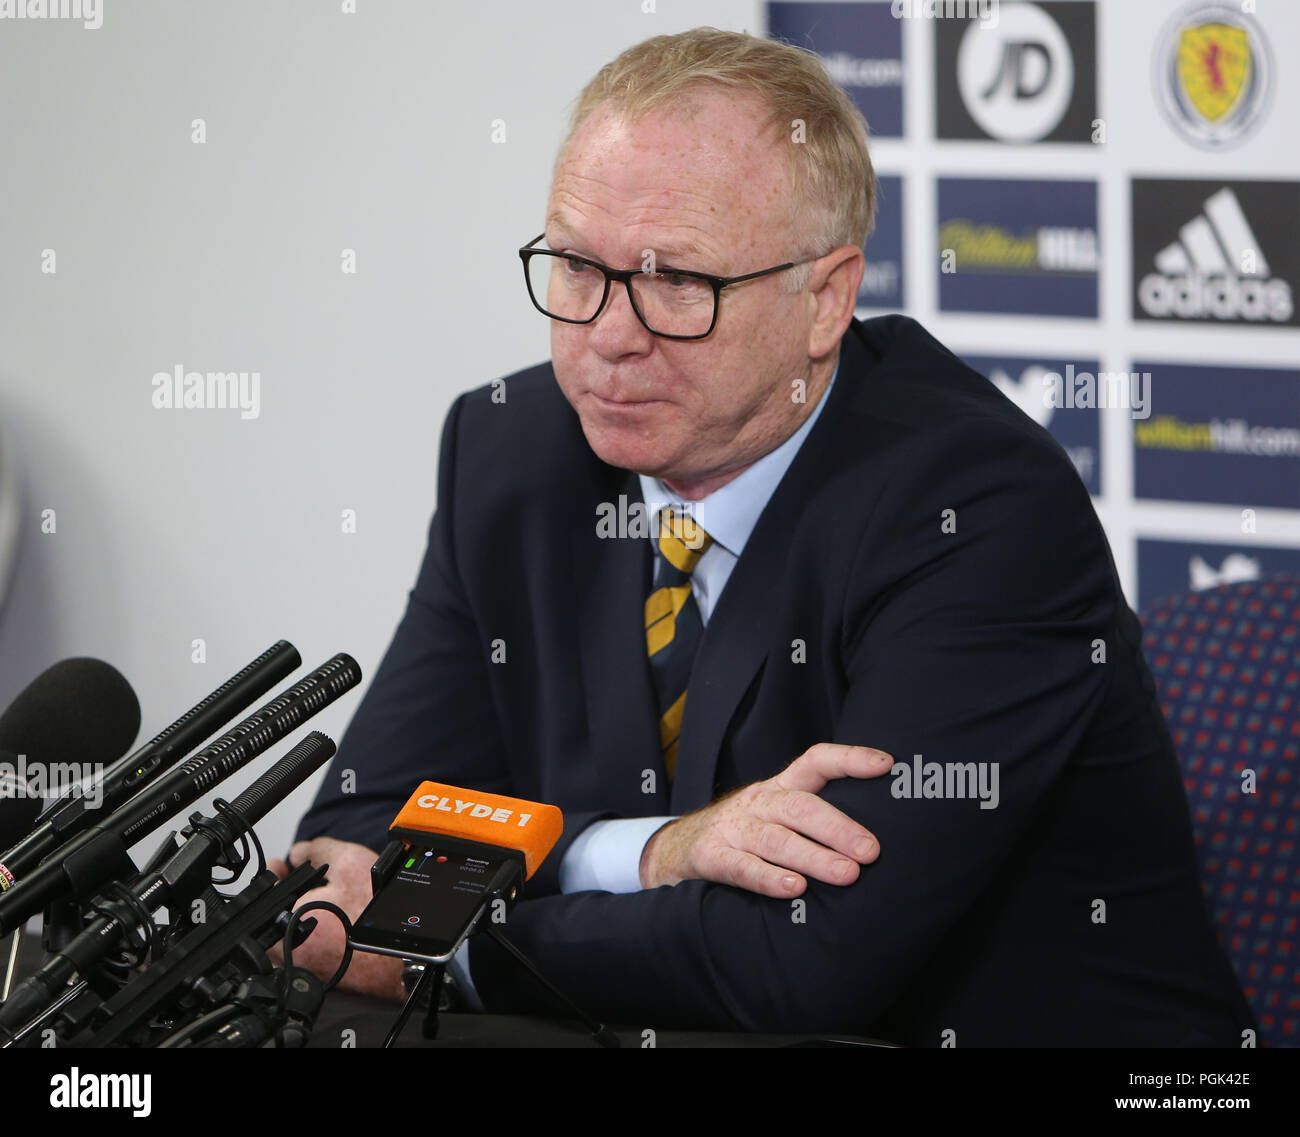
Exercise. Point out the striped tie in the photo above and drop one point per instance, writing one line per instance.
(673, 626)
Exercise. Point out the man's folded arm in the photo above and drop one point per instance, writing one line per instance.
(972, 644)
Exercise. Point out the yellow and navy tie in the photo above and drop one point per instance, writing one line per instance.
(673, 625)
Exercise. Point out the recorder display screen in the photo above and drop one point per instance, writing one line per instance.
(429, 903)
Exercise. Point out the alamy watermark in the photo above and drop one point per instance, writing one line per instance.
(635, 519)
(208, 390)
(986, 11)
(75, 1090)
(50, 780)
(1129, 390)
(89, 12)
(948, 780)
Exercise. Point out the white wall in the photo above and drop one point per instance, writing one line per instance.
(325, 131)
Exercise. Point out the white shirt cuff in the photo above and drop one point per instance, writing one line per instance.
(606, 856)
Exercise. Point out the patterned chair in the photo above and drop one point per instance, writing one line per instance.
(1227, 667)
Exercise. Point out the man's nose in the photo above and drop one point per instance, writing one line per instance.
(618, 329)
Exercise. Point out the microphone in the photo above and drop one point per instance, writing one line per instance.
(99, 854)
(73, 813)
(71, 720)
(75, 717)
(451, 854)
(254, 1013)
(186, 873)
(505, 824)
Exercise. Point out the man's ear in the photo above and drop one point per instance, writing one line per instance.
(833, 291)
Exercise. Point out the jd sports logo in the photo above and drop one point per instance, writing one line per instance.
(1215, 252)
(1031, 77)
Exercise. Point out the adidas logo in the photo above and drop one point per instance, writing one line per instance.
(1215, 270)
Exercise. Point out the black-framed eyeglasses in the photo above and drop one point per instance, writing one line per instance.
(670, 302)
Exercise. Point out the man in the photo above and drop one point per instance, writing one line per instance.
(890, 560)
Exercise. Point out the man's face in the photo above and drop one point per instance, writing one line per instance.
(705, 192)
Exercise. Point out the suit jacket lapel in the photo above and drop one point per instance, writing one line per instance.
(611, 582)
(738, 634)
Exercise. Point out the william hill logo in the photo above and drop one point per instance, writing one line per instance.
(1215, 252)
(1046, 249)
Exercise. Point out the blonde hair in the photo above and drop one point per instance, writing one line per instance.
(834, 185)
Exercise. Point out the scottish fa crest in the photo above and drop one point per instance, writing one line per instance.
(1213, 74)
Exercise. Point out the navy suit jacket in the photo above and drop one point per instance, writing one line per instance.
(929, 578)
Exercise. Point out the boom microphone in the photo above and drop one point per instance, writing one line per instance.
(90, 860)
(73, 814)
(186, 873)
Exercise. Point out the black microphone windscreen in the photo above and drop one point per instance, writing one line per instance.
(80, 710)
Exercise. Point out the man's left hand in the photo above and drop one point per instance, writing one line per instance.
(349, 888)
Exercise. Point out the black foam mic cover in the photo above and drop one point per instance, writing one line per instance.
(79, 710)
(79, 714)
